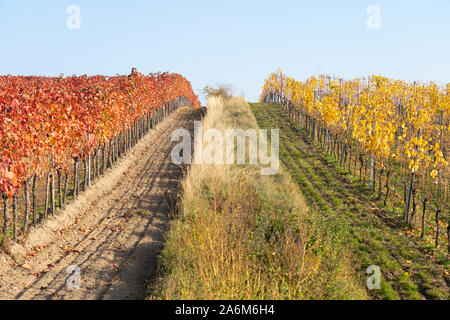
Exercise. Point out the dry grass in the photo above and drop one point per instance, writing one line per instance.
(220, 90)
(241, 235)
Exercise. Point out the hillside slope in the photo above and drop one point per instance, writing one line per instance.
(375, 236)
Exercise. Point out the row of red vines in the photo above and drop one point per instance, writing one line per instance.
(45, 122)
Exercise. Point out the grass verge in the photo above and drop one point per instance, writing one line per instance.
(240, 235)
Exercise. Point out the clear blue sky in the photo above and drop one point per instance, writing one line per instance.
(235, 42)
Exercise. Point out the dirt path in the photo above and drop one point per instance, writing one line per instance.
(377, 238)
(115, 239)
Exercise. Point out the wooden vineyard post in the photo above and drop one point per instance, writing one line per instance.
(409, 196)
(52, 194)
(34, 195)
(128, 139)
(437, 227)
(411, 186)
(26, 221)
(120, 150)
(372, 159)
(303, 114)
(47, 195)
(76, 178)
(149, 122)
(15, 218)
(448, 236)
(365, 173)
(422, 235)
(123, 136)
(361, 160)
(350, 160)
(338, 144)
(125, 140)
(88, 164)
(60, 189)
(138, 130)
(374, 181)
(318, 129)
(113, 151)
(98, 161)
(94, 165)
(85, 173)
(413, 212)
(103, 158)
(335, 146)
(110, 154)
(123, 149)
(322, 136)
(347, 130)
(314, 119)
(66, 182)
(152, 120)
(5, 245)
(117, 147)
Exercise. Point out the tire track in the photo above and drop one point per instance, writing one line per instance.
(115, 243)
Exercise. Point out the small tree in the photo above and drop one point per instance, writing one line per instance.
(220, 90)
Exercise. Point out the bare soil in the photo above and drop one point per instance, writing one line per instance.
(113, 232)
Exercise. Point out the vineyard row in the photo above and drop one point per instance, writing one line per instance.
(358, 163)
(349, 125)
(19, 214)
(50, 127)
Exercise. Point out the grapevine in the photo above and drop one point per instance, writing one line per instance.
(46, 122)
(400, 128)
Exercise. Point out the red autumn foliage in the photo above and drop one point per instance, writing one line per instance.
(44, 118)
